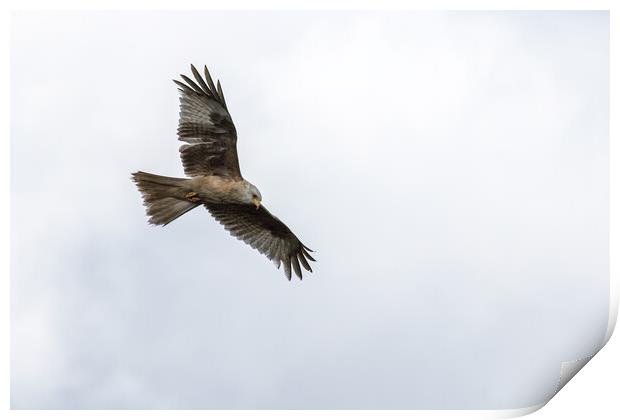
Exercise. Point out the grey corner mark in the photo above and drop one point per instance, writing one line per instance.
(569, 369)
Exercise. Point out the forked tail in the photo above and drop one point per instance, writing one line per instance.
(165, 198)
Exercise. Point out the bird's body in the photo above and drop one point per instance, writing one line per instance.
(210, 159)
(218, 189)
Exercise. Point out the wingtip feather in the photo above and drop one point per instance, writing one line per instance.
(287, 268)
(192, 84)
(307, 254)
(220, 93)
(200, 80)
(304, 262)
(209, 80)
(296, 267)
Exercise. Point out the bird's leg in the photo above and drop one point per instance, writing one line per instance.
(192, 196)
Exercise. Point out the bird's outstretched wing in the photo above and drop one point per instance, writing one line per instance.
(264, 232)
(207, 129)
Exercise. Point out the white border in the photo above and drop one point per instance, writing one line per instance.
(313, 5)
(568, 367)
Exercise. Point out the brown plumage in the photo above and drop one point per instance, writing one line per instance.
(209, 156)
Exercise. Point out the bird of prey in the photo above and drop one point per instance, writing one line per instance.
(209, 156)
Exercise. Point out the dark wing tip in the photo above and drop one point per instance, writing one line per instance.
(193, 85)
(304, 262)
(209, 80)
(181, 85)
(307, 254)
(201, 82)
(201, 87)
(296, 267)
(287, 267)
(220, 93)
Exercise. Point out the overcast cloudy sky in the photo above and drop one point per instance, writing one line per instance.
(450, 170)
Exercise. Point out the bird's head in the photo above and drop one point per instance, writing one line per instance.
(253, 196)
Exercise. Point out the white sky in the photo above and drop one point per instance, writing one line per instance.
(450, 169)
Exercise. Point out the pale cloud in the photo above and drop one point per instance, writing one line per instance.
(450, 169)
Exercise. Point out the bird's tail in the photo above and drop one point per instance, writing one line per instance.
(165, 198)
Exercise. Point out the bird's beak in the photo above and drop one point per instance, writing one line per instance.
(256, 202)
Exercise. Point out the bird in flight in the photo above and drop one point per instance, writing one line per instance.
(209, 156)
